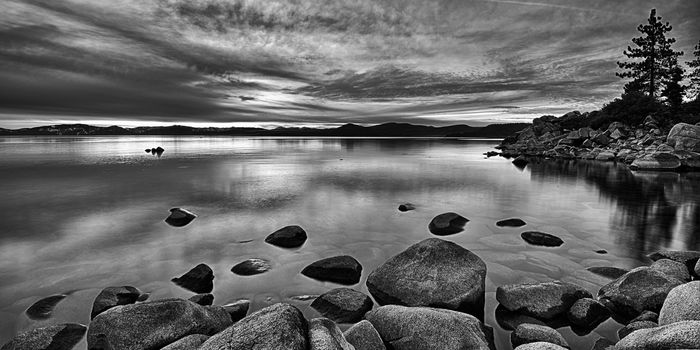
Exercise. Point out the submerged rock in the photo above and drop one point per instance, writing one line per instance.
(681, 304)
(113, 296)
(406, 207)
(545, 300)
(587, 313)
(433, 272)
(608, 271)
(541, 238)
(531, 333)
(180, 217)
(59, 337)
(251, 267)
(343, 305)
(325, 335)
(447, 224)
(514, 222)
(287, 237)
(199, 279)
(363, 336)
(43, 308)
(679, 335)
(342, 269)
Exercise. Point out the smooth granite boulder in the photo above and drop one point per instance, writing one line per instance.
(342, 269)
(154, 324)
(684, 137)
(324, 334)
(435, 273)
(587, 313)
(513, 222)
(407, 328)
(200, 279)
(687, 257)
(276, 327)
(180, 217)
(59, 337)
(545, 300)
(113, 296)
(343, 305)
(641, 289)
(189, 342)
(531, 333)
(363, 336)
(672, 268)
(287, 237)
(681, 304)
(541, 238)
(634, 326)
(679, 335)
(540, 346)
(251, 267)
(447, 224)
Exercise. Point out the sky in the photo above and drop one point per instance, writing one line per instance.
(317, 62)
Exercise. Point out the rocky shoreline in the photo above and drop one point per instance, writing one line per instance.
(650, 145)
(429, 296)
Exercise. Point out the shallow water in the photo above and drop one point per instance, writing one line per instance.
(80, 214)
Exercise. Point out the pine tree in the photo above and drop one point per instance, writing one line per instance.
(673, 89)
(657, 57)
(694, 75)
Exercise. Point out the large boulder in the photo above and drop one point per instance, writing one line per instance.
(657, 161)
(679, 335)
(684, 137)
(433, 272)
(363, 336)
(687, 257)
(58, 337)
(545, 300)
(342, 269)
(587, 313)
(531, 333)
(276, 327)
(343, 305)
(681, 304)
(287, 237)
(672, 268)
(189, 342)
(113, 296)
(154, 324)
(641, 289)
(325, 335)
(429, 328)
(447, 224)
(200, 279)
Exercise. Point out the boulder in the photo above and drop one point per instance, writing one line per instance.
(684, 137)
(429, 328)
(689, 160)
(687, 257)
(587, 313)
(681, 304)
(657, 161)
(540, 345)
(434, 273)
(672, 268)
(180, 217)
(43, 308)
(447, 224)
(531, 333)
(541, 238)
(342, 269)
(287, 237)
(343, 305)
(251, 267)
(521, 161)
(276, 327)
(641, 289)
(608, 271)
(635, 326)
(363, 336)
(514, 222)
(406, 207)
(545, 300)
(113, 296)
(202, 299)
(679, 335)
(605, 156)
(59, 337)
(154, 324)
(325, 335)
(189, 342)
(238, 309)
(664, 148)
(199, 279)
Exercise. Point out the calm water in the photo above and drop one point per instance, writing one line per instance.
(79, 214)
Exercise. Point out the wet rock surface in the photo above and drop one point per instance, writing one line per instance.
(513, 222)
(287, 237)
(342, 269)
(541, 239)
(545, 300)
(180, 217)
(251, 267)
(199, 279)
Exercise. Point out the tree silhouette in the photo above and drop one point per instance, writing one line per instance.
(657, 57)
(673, 89)
(694, 75)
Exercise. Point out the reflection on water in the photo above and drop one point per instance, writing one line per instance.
(79, 214)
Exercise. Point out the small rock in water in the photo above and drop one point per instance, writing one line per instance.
(59, 337)
(520, 161)
(148, 150)
(406, 207)
(447, 224)
(531, 333)
(514, 222)
(491, 154)
(238, 309)
(343, 305)
(608, 271)
(251, 267)
(541, 238)
(287, 237)
(180, 217)
(601, 251)
(342, 269)
(199, 280)
(43, 308)
(587, 313)
(113, 296)
(202, 299)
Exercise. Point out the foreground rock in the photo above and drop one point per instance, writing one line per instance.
(428, 328)
(587, 313)
(113, 296)
(287, 237)
(199, 280)
(363, 336)
(681, 304)
(641, 289)
(541, 238)
(251, 267)
(342, 269)
(43, 308)
(672, 268)
(325, 335)
(155, 324)
(545, 300)
(514, 222)
(684, 137)
(434, 273)
(679, 335)
(276, 327)
(180, 217)
(447, 224)
(59, 337)
(189, 342)
(343, 305)
(531, 333)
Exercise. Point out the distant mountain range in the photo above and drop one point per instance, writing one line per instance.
(347, 130)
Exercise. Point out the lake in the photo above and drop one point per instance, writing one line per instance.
(83, 213)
